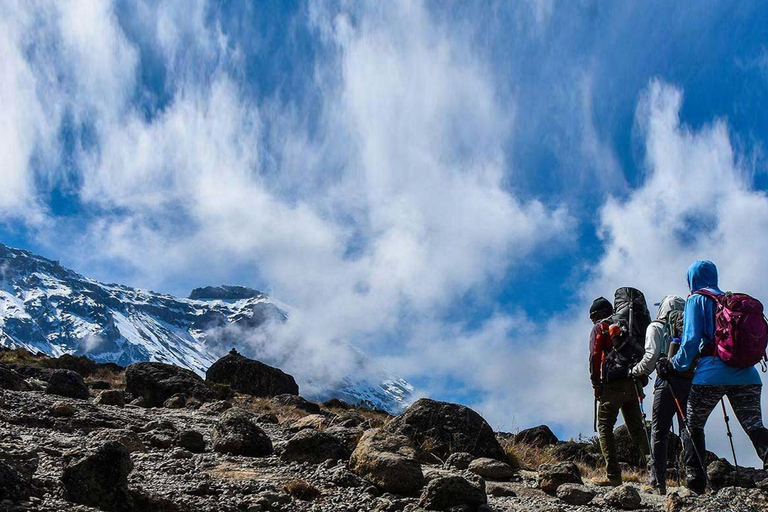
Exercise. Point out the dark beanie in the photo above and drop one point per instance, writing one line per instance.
(601, 308)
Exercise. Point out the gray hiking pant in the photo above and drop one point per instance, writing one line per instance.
(745, 401)
(664, 410)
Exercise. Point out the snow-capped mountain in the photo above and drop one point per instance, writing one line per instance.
(47, 308)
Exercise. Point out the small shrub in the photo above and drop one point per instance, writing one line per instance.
(302, 490)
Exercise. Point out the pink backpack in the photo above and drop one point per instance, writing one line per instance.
(741, 331)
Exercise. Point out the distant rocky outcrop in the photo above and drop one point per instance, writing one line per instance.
(224, 292)
(251, 377)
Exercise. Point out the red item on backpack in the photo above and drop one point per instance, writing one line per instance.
(741, 330)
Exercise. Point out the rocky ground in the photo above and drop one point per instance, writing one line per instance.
(95, 452)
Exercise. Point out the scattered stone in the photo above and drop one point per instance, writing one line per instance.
(552, 476)
(500, 489)
(268, 418)
(160, 440)
(345, 478)
(100, 479)
(157, 382)
(237, 434)
(192, 440)
(442, 428)
(251, 377)
(460, 460)
(62, 409)
(298, 402)
(625, 497)
(161, 425)
(315, 421)
(446, 492)
(127, 438)
(491, 469)
(177, 401)
(388, 461)
(13, 485)
(67, 383)
(314, 446)
(181, 453)
(111, 397)
(193, 403)
(540, 436)
(216, 407)
(575, 494)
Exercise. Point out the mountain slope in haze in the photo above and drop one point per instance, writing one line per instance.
(47, 308)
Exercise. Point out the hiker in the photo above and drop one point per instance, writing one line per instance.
(614, 347)
(713, 377)
(662, 338)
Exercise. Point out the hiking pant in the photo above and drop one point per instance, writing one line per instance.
(619, 395)
(745, 401)
(664, 409)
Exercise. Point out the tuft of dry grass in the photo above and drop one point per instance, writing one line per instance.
(301, 490)
(115, 380)
(22, 356)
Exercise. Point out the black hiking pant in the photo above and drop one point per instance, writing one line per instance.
(664, 409)
(745, 402)
(619, 396)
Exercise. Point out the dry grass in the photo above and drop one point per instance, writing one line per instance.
(302, 490)
(22, 356)
(115, 380)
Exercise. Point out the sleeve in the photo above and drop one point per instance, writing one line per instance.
(653, 339)
(693, 331)
(594, 357)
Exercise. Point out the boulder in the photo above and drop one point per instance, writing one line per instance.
(575, 494)
(314, 446)
(388, 461)
(349, 437)
(491, 469)
(500, 489)
(157, 382)
(540, 436)
(237, 434)
(100, 479)
(111, 397)
(552, 476)
(62, 409)
(251, 377)
(67, 383)
(13, 485)
(625, 497)
(12, 380)
(298, 402)
(442, 428)
(571, 451)
(177, 401)
(627, 451)
(721, 473)
(446, 492)
(128, 438)
(459, 460)
(268, 418)
(191, 440)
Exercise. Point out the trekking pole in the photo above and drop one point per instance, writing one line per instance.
(594, 416)
(730, 438)
(642, 413)
(690, 436)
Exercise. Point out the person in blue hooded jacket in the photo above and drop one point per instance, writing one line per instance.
(712, 378)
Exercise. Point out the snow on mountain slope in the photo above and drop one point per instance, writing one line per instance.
(47, 308)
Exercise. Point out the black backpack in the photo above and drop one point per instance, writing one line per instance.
(630, 314)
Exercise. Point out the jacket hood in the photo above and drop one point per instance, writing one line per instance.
(670, 303)
(702, 274)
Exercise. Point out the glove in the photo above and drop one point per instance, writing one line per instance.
(664, 368)
(643, 380)
(598, 390)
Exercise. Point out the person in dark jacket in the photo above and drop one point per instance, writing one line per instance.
(614, 396)
(713, 378)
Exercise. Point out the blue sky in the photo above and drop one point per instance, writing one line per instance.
(445, 184)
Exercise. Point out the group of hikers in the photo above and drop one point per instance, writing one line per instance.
(702, 349)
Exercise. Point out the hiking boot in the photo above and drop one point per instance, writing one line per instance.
(661, 489)
(610, 481)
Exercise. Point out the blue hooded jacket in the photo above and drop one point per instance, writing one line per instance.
(698, 329)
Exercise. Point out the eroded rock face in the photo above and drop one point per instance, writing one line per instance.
(100, 479)
(388, 461)
(67, 383)
(314, 446)
(552, 476)
(443, 428)
(446, 492)
(251, 377)
(157, 382)
(237, 434)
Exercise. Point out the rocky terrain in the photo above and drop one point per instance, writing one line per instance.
(79, 436)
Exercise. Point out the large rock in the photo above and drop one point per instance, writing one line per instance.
(100, 479)
(575, 494)
(572, 451)
(111, 397)
(625, 497)
(552, 476)
(11, 379)
(459, 460)
(627, 451)
(67, 383)
(540, 436)
(250, 376)
(237, 434)
(388, 461)
(314, 446)
(491, 469)
(191, 440)
(442, 428)
(13, 485)
(446, 492)
(157, 382)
